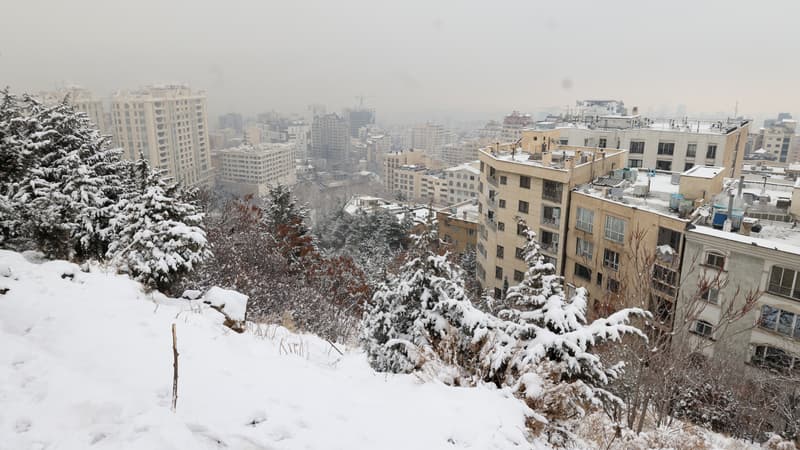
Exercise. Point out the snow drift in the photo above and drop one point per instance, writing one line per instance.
(86, 362)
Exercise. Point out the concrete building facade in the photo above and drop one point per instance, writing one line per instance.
(253, 169)
(169, 126)
(330, 140)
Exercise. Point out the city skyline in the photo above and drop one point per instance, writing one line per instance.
(411, 60)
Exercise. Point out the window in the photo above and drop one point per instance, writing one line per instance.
(602, 143)
(500, 251)
(702, 328)
(711, 295)
(551, 191)
(612, 286)
(634, 163)
(669, 237)
(615, 229)
(525, 182)
(585, 219)
(784, 281)
(563, 141)
(523, 207)
(691, 150)
(502, 203)
(498, 272)
(498, 293)
(551, 215)
(783, 322)
(771, 357)
(610, 259)
(715, 260)
(503, 179)
(664, 165)
(583, 272)
(518, 276)
(666, 148)
(687, 166)
(521, 229)
(711, 152)
(584, 249)
(501, 226)
(637, 147)
(599, 278)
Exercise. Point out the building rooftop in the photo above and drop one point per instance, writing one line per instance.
(637, 189)
(717, 127)
(703, 172)
(469, 167)
(466, 211)
(554, 159)
(773, 237)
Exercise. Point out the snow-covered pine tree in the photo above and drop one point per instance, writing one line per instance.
(160, 237)
(286, 222)
(70, 191)
(553, 330)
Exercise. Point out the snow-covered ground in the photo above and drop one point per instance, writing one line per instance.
(86, 362)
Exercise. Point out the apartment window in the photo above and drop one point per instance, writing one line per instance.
(563, 141)
(702, 328)
(521, 229)
(669, 237)
(771, 357)
(500, 251)
(599, 278)
(551, 215)
(611, 259)
(687, 166)
(498, 272)
(612, 286)
(549, 241)
(518, 276)
(634, 163)
(711, 295)
(502, 203)
(778, 320)
(551, 190)
(637, 147)
(584, 249)
(519, 253)
(503, 179)
(523, 207)
(602, 143)
(716, 260)
(666, 148)
(583, 272)
(585, 219)
(691, 150)
(501, 226)
(664, 165)
(525, 182)
(784, 282)
(498, 293)
(615, 229)
(711, 152)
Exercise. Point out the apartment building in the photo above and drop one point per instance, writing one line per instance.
(513, 125)
(458, 226)
(462, 151)
(776, 139)
(82, 100)
(395, 160)
(299, 133)
(530, 183)
(669, 145)
(254, 168)
(768, 262)
(625, 237)
(462, 182)
(330, 141)
(430, 138)
(169, 126)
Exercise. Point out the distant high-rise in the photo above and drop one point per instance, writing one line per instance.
(169, 126)
(358, 118)
(231, 120)
(330, 139)
(82, 100)
(776, 138)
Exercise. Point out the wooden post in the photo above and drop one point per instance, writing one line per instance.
(174, 369)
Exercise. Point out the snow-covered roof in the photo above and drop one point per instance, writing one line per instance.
(468, 167)
(703, 172)
(783, 239)
(649, 193)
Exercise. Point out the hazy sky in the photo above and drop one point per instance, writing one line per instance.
(413, 58)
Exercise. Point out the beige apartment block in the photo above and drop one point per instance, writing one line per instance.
(394, 161)
(527, 184)
(253, 169)
(669, 145)
(462, 182)
(627, 224)
(458, 226)
(169, 126)
(777, 140)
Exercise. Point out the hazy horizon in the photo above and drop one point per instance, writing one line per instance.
(415, 60)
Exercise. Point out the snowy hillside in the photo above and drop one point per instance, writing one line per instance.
(86, 362)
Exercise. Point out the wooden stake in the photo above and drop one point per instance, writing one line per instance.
(174, 369)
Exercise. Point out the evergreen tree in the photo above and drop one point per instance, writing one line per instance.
(159, 234)
(286, 222)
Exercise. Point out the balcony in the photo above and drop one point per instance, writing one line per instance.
(549, 247)
(551, 217)
(493, 181)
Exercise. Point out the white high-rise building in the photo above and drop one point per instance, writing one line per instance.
(169, 126)
(252, 169)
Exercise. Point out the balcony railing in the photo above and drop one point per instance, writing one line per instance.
(552, 195)
(551, 221)
(550, 247)
(492, 180)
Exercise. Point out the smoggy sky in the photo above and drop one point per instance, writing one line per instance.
(415, 58)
